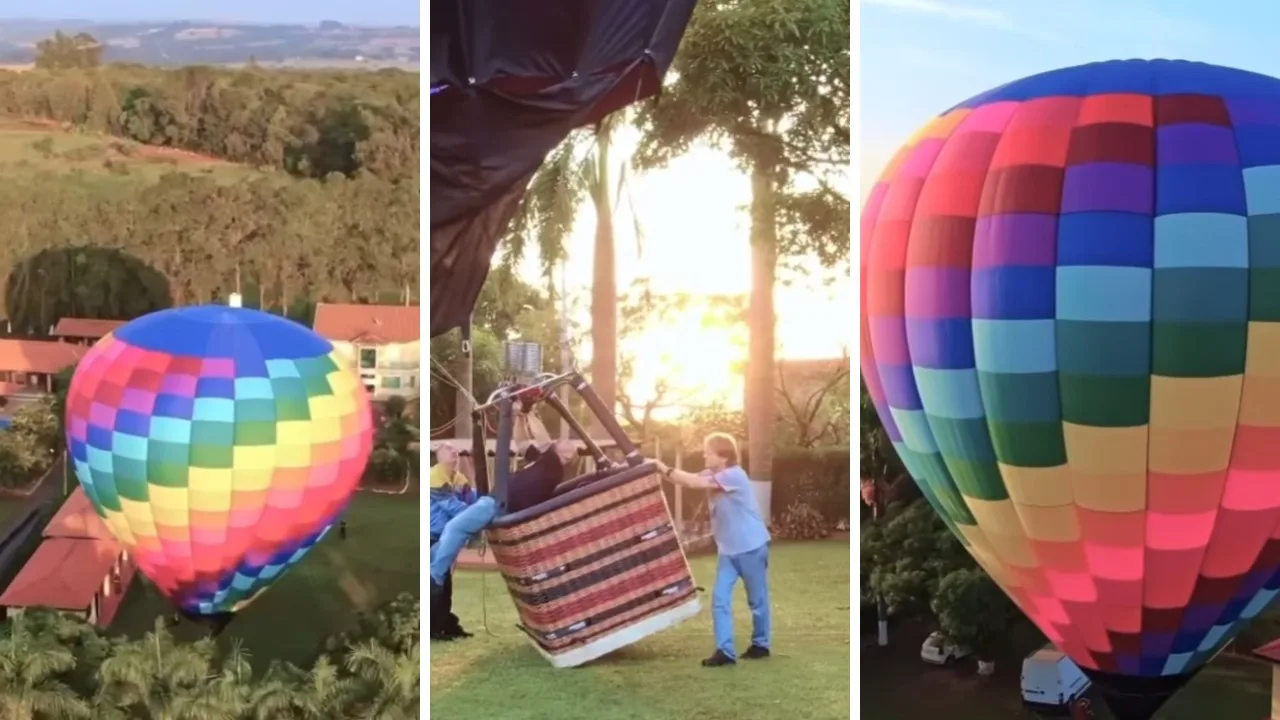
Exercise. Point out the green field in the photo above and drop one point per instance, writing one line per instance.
(319, 596)
(500, 675)
(26, 148)
(896, 685)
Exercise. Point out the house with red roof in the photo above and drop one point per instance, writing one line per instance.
(84, 331)
(78, 568)
(27, 367)
(382, 341)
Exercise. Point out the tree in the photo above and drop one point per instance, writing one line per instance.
(581, 168)
(768, 81)
(65, 52)
(289, 693)
(158, 677)
(390, 680)
(974, 612)
(815, 411)
(30, 670)
(906, 556)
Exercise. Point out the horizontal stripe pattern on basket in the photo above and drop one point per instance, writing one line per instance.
(594, 567)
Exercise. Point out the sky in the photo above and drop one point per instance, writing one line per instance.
(364, 12)
(695, 239)
(920, 57)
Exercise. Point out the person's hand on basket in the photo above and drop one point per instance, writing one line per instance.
(663, 470)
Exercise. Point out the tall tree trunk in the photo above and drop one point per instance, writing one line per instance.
(759, 401)
(604, 288)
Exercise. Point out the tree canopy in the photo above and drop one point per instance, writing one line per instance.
(67, 52)
(307, 122)
(56, 667)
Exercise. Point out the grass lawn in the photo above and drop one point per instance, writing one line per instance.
(320, 596)
(659, 678)
(9, 508)
(896, 685)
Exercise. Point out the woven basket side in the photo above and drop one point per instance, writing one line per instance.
(605, 528)
(597, 566)
(552, 521)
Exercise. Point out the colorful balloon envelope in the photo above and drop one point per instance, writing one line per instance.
(219, 445)
(1071, 332)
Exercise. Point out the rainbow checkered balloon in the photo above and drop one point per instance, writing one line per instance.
(219, 445)
(1071, 332)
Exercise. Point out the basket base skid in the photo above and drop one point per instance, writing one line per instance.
(623, 637)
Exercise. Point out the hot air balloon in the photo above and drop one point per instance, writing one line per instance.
(1071, 332)
(509, 81)
(219, 445)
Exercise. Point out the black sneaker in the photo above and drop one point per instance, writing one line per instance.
(454, 630)
(755, 652)
(718, 659)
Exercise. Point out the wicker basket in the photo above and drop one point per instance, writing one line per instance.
(596, 568)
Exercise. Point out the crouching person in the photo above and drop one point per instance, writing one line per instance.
(451, 495)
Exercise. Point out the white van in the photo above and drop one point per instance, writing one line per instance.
(1050, 680)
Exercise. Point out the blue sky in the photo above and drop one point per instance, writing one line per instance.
(361, 12)
(920, 57)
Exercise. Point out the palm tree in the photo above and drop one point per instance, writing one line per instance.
(30, 687)
(389, 680)
(288, 693)
(579, 169)
(157, 677)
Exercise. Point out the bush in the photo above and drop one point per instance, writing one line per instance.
(386, 467)
(84, 153)
(818, 478)
(44, 146)
(801, 522)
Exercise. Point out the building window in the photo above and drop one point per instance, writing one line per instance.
(391, 382)
(368, 358)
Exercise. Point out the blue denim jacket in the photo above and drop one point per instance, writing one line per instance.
(445, 504)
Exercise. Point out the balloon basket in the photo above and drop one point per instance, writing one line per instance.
(596, 568)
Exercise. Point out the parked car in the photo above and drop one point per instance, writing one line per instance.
(937, 651)
(1051, 681)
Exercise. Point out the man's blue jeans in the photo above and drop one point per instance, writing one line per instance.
(457, 533)
(753, 568)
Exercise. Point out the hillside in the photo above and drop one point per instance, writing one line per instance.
(28, 147)
(200, 43)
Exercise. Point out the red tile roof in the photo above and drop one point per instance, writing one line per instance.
(64, 574)
(85, 328)
(38, 356)
(1269, 652)
(77, 519)
(372, 324)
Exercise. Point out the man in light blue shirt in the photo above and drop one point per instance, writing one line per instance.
(742, 541)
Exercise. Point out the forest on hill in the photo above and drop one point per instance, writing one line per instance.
(333, 214)
(307, 122)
